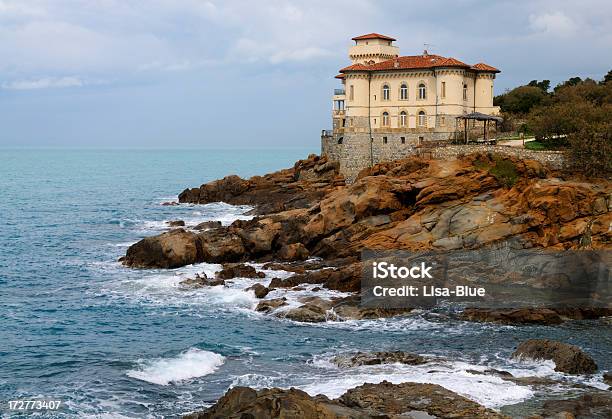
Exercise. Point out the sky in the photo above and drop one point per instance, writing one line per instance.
(237, 74)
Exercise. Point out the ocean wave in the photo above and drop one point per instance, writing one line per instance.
(190, 364)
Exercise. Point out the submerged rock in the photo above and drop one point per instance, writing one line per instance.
(201, 281)
(592, 405)
(377, 358)
(567, 358)
(383, 400)
(176, 223)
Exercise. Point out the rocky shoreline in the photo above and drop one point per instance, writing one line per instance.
(308, 223)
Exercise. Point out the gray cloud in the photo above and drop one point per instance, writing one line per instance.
(286, 52)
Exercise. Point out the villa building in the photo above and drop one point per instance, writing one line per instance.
(391, 104)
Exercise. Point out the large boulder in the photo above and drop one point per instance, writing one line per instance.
(567, 358)
(246, 403)
(172, 249)
(406, 398)
(592, 405)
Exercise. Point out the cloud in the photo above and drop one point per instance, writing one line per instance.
(555, 24)
(48, 83)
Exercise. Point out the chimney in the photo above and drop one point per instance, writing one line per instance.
(396, 63)
(425, 53)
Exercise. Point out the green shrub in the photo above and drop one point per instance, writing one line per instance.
(505, 172)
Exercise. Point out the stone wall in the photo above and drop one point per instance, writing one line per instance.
(356, 151)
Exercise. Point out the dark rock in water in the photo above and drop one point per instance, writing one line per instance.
(607, 378)
(240, 270)
(397, 399)
(201, 281)
(512, 316)
(345, 279)
(592, 405)
(206, 225)
(267, 306)
(294, 251)
(170, 204)
(384, 400)
(377, 358)
(176, 223)
(172, 249)
(260, 290)
(567, 358)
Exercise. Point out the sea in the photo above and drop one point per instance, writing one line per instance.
(107, 341)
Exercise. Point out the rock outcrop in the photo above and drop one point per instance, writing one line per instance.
(377, 358)
(384, 400)
(410, 205)
(567, 358)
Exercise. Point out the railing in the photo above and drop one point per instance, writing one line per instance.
(339, 92)
(338, 112)
(327, 133)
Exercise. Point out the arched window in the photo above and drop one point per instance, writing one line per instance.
(464, 91)
(385, 119)
(422, 119)
(386, 92)
(404, 91)
(402, 119)
(340, 140)
(422, 91)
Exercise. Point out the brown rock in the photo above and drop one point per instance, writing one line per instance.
(397, 399)
(294, 251)
(592, 405)
(260, 290)
(172, 249)
(201, 281)
(267, 306)
(567, 358)
(176, 223)
(239, 270)
(206, 225)
(512, 316)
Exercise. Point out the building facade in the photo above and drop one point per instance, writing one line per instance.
(390, 104)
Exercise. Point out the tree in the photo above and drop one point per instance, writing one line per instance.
(521, 99)
(544, 84)
(607, 77)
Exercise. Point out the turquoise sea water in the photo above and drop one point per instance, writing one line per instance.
(109, 341)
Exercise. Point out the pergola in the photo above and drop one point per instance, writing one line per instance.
(477, 116)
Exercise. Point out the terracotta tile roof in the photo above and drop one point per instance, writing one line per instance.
(484, 67)
(411, 62)
(339, 76)
(373, 36)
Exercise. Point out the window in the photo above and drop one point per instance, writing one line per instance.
(421, 139)
(384, 140)
(404, 92)
(350, 122)
(464, 91)
(442, 121)
(340, 140)
(386, 92)
(443, 90)
(385, 119)
(403, 119)
(422, 119)
(343, 122)
(352, 92)
(422, 91)
(403, 139)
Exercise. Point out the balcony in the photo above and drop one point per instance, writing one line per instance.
(338, 112)
(339, 92)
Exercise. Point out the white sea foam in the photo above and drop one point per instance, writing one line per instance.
(189, 364)
(488, 390)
